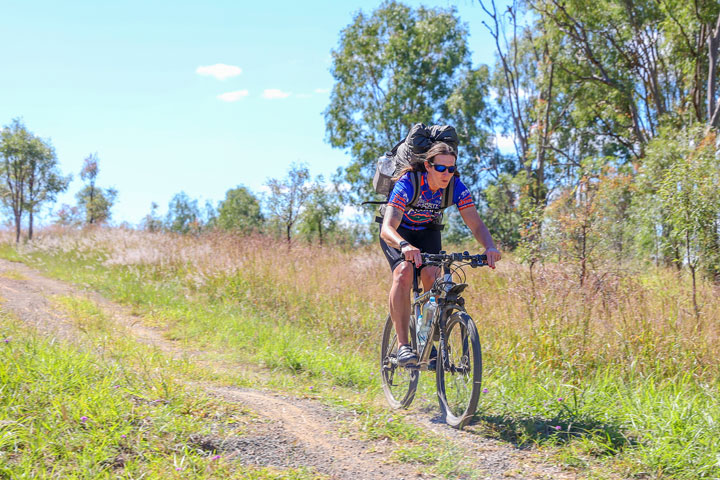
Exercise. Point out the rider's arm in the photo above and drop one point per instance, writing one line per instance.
(481, 233)
(388, 232)
(391, 221)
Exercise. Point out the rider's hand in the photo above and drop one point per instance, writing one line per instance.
(493, 255)
(412, 254)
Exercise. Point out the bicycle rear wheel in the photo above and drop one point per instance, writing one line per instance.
(399, 383)
(459, 377)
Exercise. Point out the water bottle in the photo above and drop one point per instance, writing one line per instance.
(384, 171)
(425, 321)
(421, 335)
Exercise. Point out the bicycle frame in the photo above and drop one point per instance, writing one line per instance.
(447, 296)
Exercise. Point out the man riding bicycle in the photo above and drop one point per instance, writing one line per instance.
(408, 230)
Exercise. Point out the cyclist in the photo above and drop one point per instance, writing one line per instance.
(406, 231)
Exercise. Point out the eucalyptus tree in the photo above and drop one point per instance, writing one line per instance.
(94, 202)
(44, 181)
(15, 149)
(183, 215)
(240, 211)
(287, 198)
(633, 63)
(395, 67)
(689, 192)
(320, 215)
(535, 109)
(599, 81)
(30, 173)
(641, 70)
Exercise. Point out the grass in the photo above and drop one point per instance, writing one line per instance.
(636, 372)
(69, 413)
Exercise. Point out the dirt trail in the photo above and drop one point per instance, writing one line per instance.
(297, 432)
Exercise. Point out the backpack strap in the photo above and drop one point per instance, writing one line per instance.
(416, 180)
(395, 148)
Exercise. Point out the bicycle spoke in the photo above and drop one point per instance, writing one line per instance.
(459, 379)
(399, 384)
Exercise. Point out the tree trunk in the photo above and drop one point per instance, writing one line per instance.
(30, 225)
(18, 226)
(694, 293)
(692, 267)
(91, 206)
(713, 106)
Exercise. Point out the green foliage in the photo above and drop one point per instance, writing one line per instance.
(501, 214)
(319, 218)
(183, 215)
(287, 198)
(30, 173)
(395, 67)
(152, 222)
(689, 193)
(469, 111)
(94, 203)
(240, 211)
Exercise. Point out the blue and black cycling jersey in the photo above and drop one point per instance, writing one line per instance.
(427, 207)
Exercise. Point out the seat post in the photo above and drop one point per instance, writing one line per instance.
(416, 275)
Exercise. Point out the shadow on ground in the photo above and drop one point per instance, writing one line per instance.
(524, 431)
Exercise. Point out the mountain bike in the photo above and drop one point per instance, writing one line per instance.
(458, 366)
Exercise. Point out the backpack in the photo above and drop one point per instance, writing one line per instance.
(417, 142)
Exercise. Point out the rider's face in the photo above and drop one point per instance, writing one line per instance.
(439, 179)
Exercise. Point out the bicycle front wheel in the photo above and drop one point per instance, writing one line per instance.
(459, 375)
(399, 383)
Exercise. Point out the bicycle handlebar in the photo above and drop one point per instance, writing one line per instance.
(448, 258)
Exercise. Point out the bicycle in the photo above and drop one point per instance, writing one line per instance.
(458, 367)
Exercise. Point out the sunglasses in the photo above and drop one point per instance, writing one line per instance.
(442, 168)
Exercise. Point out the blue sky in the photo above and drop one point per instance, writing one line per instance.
(124, 79)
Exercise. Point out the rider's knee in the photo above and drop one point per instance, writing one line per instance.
(403, 275)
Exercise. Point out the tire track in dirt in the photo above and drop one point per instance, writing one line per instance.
(27, 294)
(300, 432)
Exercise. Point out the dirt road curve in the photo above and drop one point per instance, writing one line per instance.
(297, 432)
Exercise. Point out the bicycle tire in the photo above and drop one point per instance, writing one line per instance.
(399, 384)
(459, 381)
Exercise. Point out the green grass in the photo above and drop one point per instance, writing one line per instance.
(293, 357)
(69, 413)
(622, 415)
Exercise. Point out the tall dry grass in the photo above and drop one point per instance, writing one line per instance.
(618, 368)
(636, 318)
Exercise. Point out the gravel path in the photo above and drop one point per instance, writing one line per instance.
(296, 432)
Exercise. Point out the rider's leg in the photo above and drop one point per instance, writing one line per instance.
(400, 296)
(428, 276)
(400, 300)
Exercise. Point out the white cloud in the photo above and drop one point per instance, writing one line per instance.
(505, 143)
(233, 96)
(322, 90)
(273, 93)
(219, 71)
(350, 212)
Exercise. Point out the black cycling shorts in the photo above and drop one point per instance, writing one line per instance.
(428, 241)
